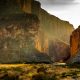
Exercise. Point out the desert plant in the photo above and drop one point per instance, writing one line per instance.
(42, 69)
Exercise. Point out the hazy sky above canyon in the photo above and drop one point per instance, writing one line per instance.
(68, 10)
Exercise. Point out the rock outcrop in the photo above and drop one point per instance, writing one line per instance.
(23, 40)
(75, 42)
(75, 45)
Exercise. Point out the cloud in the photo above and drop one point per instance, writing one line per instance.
(58, 2)
(68, 10)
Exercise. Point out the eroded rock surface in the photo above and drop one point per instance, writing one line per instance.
(25, 37)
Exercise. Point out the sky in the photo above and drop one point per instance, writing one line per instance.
(68, 10)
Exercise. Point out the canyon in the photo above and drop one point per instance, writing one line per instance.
(28, 33)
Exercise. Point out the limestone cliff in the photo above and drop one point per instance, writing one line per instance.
(53, 31)
(50, 24)
(54, 27)
(75, 46)
(51, 40)
(17, 36)
(57, 33)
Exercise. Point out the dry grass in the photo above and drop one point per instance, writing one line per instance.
(37, 72)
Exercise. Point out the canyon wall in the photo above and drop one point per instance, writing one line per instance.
(54, 27)
(22, 36)
(51, 24)
(17, 39)
(57, 32)
(75, 46)
(75, 41)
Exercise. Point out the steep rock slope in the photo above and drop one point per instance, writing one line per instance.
(53, 36)
(56, 33)
(75, 45)
(75, 41)
(53, 29)
(17, 39)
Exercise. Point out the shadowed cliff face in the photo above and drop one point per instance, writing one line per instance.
(9, 7)
(75, 41)
(17, 38)
(59, 51)
(24, 40)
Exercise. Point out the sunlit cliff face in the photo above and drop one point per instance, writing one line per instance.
(38, 44)
(75, 41)
(42, 42)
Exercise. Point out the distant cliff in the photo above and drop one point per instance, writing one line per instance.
(75, 41)
(50, 40)
(75, 46)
